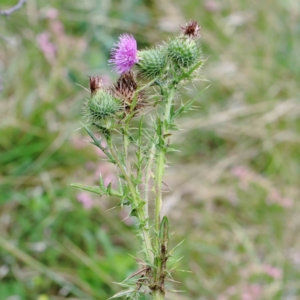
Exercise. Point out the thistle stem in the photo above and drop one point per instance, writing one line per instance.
(148, 176)
(170, 98)
(162, 133)
(160, 168)
(136, 201)
(158, 188)
(158, 295)
(125, 145)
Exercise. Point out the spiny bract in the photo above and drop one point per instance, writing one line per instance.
(102, 106)
(151, 63)
(183, 51)
(126, 91)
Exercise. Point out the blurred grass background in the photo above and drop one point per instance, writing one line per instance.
(234, 185)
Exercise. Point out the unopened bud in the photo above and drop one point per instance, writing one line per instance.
(184, 52)
(101, 106)
(151, 63)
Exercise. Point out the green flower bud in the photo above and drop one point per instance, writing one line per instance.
(101, 106)
(151, 63)
(183, 51)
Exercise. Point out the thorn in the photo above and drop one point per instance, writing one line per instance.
(82, 87)
(136, 273)
(111, 208)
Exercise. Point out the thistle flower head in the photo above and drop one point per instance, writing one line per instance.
(126, 90)
(191, 29)
(124, 54)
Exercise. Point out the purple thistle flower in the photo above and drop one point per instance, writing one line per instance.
(124, 54)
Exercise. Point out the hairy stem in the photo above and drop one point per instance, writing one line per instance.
(136, 201)
(125, 146)
(170, 97)
(158, 295)
(162, 134)
(160, 166)
(163, 131)
(148, 176)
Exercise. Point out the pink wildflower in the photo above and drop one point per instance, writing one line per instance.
(51, 13)
(86, 200)
(46, 46)
(124, 54)
(273, 272)
(252, 292)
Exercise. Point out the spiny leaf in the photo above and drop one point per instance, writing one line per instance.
(141, 271)
(109, 189)
(97, 190)
(93, 189)
(122, 293)
(101, 183)
(189, 73)
(176, 247)
(172, 150)
(98, 144)
(176, 291)
(164, 230)
(134, 213)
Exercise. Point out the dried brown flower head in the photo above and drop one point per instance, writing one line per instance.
(95, 84)
(126, 90)
(191, 29)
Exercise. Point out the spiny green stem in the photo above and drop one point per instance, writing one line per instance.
(158, 295)
(162, 132)
(160, 167)
(170, 98)
(125, 145)
(148, 176)
(136, 201)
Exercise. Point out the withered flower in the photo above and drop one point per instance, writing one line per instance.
(95, 84)
(191, 29)
(126, 90)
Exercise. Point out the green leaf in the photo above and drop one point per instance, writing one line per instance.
(98, 190)
(164, 230)
(172, 150)
(122, 293)
(109, 189)
(98, 144)
(189, 73)
(93, 189)
(134, 213)
(101, 183)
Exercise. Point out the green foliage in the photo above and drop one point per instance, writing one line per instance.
(233, 222)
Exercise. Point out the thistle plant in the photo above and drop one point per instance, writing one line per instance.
(135, 118)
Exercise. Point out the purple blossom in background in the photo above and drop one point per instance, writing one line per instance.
(124, 54)
(86, 200)
(46, 46)
(274, 272)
